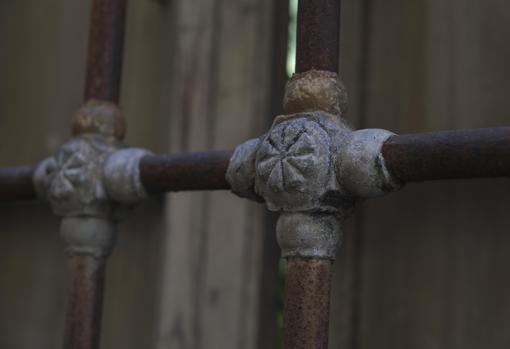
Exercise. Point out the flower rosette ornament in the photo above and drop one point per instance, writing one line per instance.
(72, 178)
(294, 164)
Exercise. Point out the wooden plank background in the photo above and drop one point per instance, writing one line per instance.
(427, 267)
(220, 95)
(424, 268)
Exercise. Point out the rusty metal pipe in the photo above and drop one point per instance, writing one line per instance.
(103, 73)
(470, 153)
(308, 284)
(318, 35)
(106, 41)
(16, 183)
(159, 174)
(467, 153)
(84, 304)
(306, 312)
(192, 171)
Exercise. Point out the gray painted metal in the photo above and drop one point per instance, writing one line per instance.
(313, 168)
(91, 183)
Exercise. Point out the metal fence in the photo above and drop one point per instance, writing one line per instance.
(310, 166)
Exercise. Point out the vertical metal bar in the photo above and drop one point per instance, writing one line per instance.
(106, 41)
(308, 285)
(318, 35)
(84, 308)
(103, 72)
(307, 297)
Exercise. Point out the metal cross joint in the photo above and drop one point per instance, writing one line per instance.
(92, 180)
(312, 167)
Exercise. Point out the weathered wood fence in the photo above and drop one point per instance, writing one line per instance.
(423, 268)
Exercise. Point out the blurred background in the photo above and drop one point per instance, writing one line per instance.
(425, 268)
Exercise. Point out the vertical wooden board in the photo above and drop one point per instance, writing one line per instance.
(188, 93)
(219, 96)
(395, 65)
(32, 270)
(42, 47)
(243, 81)
(133, 279)
(432, 260)
(141, 80)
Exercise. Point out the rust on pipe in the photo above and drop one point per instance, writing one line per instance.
(192, 171)
(308, 284)
(467, 153)
(306, 309)
(318, 35)
(416, 157)
(106, 41)
(16, 183)
(98, 115)
(85, 299)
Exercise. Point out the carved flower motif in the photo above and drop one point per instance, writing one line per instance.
(71, 179)
(66, 172)
(294, 157)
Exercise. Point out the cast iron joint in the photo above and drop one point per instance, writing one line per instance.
(92, 180)
(312, 167)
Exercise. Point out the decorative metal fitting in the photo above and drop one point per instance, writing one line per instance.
(315, 90)
(100, 117)
(90, 181)
(313, 168)
(121, 176)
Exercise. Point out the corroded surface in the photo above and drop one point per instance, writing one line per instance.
(106, 42)
(318, 36)
(240, 170)
(306, 310)
(449, 154)
(294, 165)
(89, 181)
(16, 183)
(121, 175)
(315, 90)
(310, 234)
(84, 303)
(313, 169)
(191, 171)
(100, 117)
(71, 179)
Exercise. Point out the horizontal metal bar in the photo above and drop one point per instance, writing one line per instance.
(459, 154)
(192, 171)
(416, 157)
(469, 153)
(16, 183)
(159, 174)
